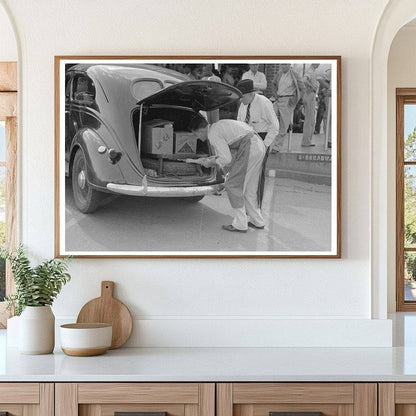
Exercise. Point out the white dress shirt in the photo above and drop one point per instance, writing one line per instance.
(212, 77)
(259, 79)
(286, 85)
(263, 118)
(223, 133)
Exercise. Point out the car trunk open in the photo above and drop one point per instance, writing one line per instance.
(171, 110)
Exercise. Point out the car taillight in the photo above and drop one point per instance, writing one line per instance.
(114, 156)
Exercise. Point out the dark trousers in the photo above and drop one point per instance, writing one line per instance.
(262, 179)
(319, 117)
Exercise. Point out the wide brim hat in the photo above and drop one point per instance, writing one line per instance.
(246, 86)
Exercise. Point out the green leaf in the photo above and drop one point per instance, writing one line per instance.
(35, 286)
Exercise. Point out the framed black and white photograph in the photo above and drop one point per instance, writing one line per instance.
(198, 156)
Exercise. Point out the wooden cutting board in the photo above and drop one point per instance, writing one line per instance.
(107, 309)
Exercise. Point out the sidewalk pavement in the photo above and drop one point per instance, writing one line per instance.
(309, 164)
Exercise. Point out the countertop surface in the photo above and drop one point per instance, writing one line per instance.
(213, 364)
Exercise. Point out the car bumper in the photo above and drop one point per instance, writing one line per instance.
(171, 191)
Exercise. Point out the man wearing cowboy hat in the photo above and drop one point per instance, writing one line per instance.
(258, 112)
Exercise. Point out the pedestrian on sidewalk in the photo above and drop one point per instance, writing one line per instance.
(240, 152)
(288, 89)
(309, 102)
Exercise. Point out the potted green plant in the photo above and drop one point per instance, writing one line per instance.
(36, 289)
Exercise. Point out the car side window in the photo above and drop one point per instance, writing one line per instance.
(84, 89)
(67, 87)
(145, 88)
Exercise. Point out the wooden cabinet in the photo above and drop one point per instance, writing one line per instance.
(106, 399)
(27, 399)
(397, 399)
(207, 399)
(297, 399)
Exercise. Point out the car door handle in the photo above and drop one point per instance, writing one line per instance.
(296, 414)
(140, 413)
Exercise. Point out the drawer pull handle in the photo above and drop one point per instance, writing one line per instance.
(139, 414)
(296, 414)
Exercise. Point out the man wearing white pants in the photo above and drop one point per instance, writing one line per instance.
(240, 151)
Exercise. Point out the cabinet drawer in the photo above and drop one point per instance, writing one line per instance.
(296, 399)
(148, 399)
(21, 399)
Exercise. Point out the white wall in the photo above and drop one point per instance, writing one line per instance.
(8, 47)
(401, 74)
(179, 302)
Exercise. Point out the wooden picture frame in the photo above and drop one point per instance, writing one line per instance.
(302, 199)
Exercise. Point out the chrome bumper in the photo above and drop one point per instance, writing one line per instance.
(171, 191)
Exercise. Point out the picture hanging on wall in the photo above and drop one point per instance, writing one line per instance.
(198, 156)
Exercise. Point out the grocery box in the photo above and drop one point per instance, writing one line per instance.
(157, 137)
(185, 142)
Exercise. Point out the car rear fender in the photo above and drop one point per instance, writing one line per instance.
(100, 169)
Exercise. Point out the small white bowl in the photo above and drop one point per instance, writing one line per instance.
(84, 340)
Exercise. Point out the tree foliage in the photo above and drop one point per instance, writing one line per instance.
(410, 205)
(35, 286)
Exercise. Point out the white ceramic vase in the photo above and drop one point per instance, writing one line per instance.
(37, 330)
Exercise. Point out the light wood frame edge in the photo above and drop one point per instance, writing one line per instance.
(337, 58)
(66, 399)
(365, 399)
(57, 157)
(11, 184)
(386, 399)
(224, 399)
(399, 203)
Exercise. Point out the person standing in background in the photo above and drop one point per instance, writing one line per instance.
(196, 72)
(327, 117)
(258, 78)
(321, 108)
(309, 102)
(257, 111)
(288, 89)
(208, 75)
(228, 77)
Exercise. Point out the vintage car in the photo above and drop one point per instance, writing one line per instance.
(106, 109)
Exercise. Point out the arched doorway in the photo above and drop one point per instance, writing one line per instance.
(396, 14)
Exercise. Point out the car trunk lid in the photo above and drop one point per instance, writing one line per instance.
(198, 95)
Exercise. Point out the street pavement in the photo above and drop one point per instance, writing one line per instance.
(297, 214)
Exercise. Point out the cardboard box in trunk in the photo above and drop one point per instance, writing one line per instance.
(157, 137)
(185, 143)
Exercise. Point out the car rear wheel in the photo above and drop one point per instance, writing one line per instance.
(86, 198)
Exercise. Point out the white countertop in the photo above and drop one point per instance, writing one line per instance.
(213, 364)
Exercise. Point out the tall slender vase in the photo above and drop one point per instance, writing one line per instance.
(37, 330)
